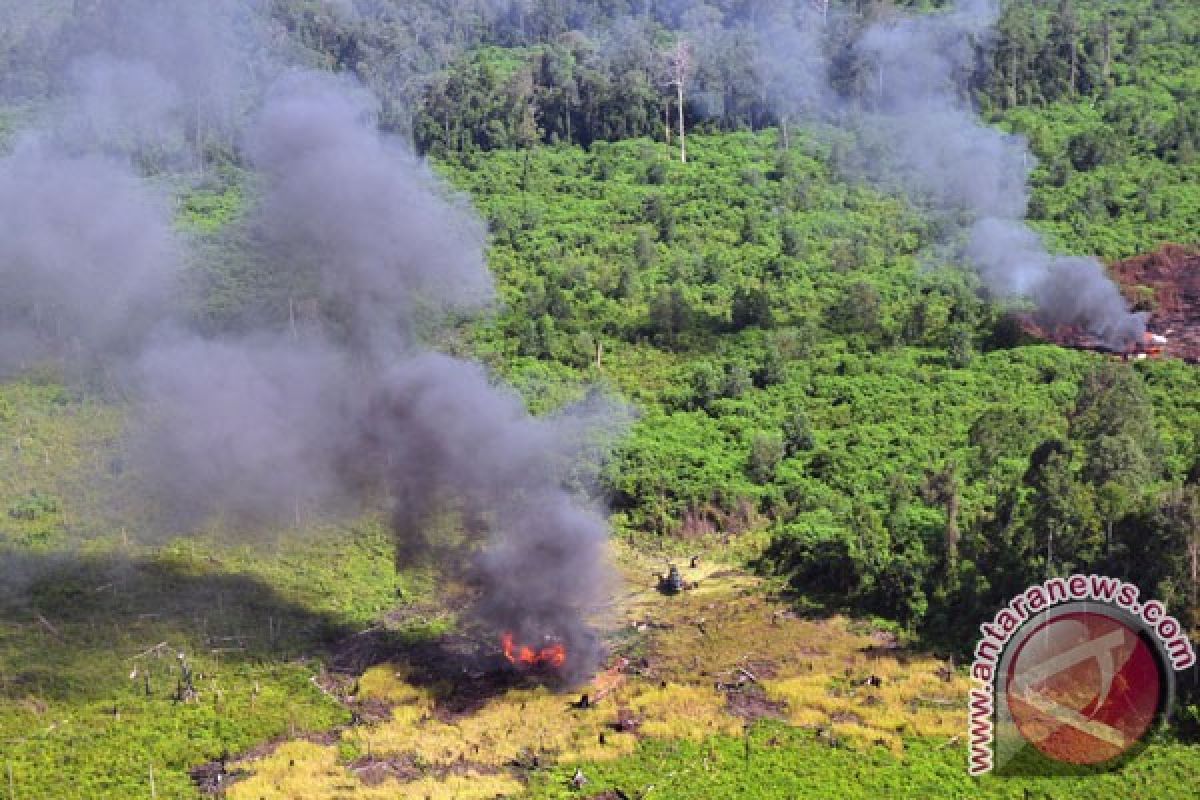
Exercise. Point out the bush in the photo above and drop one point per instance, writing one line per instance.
(766, 451)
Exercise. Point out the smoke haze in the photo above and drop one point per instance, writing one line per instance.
(329, 399)
(918, 134)
(950, 157)
(88, 259)
(344, 407)
(386, 241)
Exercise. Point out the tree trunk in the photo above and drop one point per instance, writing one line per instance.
(1012, 77)
(1074, 67)
(952, 526)
(682, 140)
(1049, 549)
(1106, 32)
(1194, 558)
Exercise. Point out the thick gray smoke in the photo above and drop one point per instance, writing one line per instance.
(361, 214)
(354, 406)
(446, 436)
(88, 259)
(344, 407)
(912, 116)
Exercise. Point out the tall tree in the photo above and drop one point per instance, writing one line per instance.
(942, 487)
(679, 65)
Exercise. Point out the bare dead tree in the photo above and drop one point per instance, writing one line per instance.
(1194, 564)
(679, 65)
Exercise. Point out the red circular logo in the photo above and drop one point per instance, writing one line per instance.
(1084, 687)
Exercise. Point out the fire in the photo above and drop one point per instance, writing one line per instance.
(554, 655)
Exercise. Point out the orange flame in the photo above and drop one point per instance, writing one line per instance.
(554, 655)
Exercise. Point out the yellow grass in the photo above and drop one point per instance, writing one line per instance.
(684, 712)
(818, 670)
(457, 787)
(521, 722)
(300, 771)
(389, 683)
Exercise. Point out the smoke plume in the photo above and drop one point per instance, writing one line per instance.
(341, 407)
(88, 258)
(910, 112)
(357, 211)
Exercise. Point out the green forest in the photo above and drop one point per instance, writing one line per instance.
(821, 393)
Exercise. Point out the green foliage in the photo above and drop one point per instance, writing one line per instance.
(766, 451)
(873, 373)
(1105, 93)
(210, 207)
(907, 450)
(750, 307)
(33, 506)
(88, 698)
(775, 761)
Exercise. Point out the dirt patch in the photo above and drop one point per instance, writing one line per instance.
(761, 668)
(376, 771)
(725, 573)
(1164, 283)
(370, 711)
(626, 721)
(753, 704)
(214, 777)
(1168, 282)
(885, 639)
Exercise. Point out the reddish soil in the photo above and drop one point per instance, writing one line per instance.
(1167, 283)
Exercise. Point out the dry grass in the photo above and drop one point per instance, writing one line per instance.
(684, 712)
(510, 728)
(307, 771)
(823, 670)
(830, 674)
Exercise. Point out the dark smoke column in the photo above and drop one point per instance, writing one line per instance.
(353, 406)
(536, 552)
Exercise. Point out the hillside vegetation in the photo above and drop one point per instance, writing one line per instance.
(802, 367)
(868, 455)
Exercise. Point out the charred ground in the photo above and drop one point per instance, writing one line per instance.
(1166, 283)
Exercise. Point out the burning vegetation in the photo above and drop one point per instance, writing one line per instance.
(551, 656)
(1164, 286)
(1148, 345)
(704, 669)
